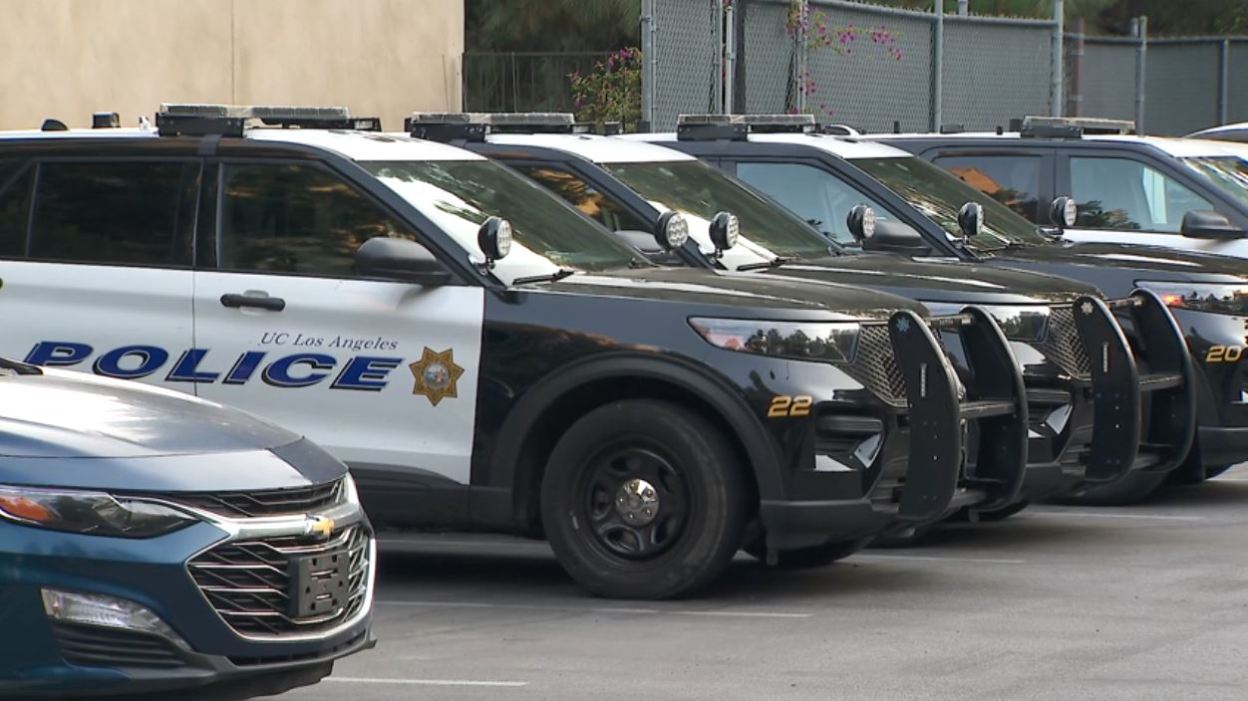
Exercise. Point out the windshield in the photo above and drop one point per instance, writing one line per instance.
(547, 234)
(1228, 173)
(699, 191)
(939, 196)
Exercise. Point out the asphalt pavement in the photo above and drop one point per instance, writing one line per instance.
(1144, 602)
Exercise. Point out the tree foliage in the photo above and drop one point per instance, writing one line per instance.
(552, 25)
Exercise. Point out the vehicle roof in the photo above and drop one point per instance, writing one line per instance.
(355, 145)
(1173, 146)
(844, 148)
(598, 149)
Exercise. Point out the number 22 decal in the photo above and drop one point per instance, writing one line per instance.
(783, 405)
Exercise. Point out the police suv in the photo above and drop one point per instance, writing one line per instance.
(366, 290)
(934, 215)
(626, 185)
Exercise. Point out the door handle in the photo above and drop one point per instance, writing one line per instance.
(235, 301)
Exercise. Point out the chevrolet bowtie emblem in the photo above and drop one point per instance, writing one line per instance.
(321, 526)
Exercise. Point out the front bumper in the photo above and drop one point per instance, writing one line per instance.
(1218, 345)
(62, 659)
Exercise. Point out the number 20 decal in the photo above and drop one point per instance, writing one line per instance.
(1224, 354)
(783, 405)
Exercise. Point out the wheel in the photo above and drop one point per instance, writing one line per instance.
(1132, 489)
(644, 500)
(807, 558)
(1192, 470)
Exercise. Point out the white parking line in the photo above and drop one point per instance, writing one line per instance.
(616, 610)
(938, 558)
(1107, 514)
(423, 682)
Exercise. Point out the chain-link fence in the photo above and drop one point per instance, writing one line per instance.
(879, 68)
(523, 81)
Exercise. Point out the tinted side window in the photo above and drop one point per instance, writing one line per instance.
(121, 212)
(1118, 193)
(296, 219)
(573, 189)
(15, 186)
(813, 194)
(1014, 181)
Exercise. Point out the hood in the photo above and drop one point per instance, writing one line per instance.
(59, 414)
(760, 294)
(937, 279)
(1093, 262)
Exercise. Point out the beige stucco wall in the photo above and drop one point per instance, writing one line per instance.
(69, 58)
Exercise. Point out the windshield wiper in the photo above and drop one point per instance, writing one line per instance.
(773, 263)
(549, 277)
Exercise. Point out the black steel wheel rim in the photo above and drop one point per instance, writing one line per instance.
(615, 485)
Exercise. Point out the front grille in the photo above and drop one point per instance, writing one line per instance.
(92, 646)
(271, 502)
(250, 583)
(1062, 345)
(875, 365)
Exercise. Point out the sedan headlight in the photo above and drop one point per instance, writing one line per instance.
(1025, 323)
(800, 340)
(1202, 297)
(89, 513)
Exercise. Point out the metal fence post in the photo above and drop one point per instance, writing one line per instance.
(1224, 82)
(1141, 32)
(964, 8)
(717, 57)
(938, 66)
(1074, 78)
(649, 61)
(802, 74)
(1059, 29)
(730, 56)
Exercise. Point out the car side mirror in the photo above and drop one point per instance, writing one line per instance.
(400, 260)
(1063, 213)
(895, 237)
(671, 230)
(643, 242)
(1207, 224)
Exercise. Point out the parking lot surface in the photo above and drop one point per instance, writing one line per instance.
(1058, 602)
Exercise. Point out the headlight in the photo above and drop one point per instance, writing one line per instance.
(1202, 297)
(1026, 324)
(800, 340)
(89, 513)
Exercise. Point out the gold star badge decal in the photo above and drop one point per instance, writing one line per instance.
(436, 375)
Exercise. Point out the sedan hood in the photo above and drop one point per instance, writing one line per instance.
(757, 294)
(938, 279)
(59, 414)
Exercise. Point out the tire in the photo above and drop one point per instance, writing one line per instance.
(806, 558)
(629, 456)
(1132, 489)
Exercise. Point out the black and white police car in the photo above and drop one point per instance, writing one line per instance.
(806, 171)
(626, 185)
(363, 290)
(1183, 193)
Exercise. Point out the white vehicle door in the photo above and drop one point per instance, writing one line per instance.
(95, 265)
(1122, 200)
(382, 374)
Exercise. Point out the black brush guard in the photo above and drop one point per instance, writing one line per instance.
(995, 400)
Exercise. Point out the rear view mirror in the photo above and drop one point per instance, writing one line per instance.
(1207, 224)
(400, 260)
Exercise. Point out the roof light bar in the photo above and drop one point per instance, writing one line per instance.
(473, 126)
(233, 120)
(1073, 127)
(737, 127)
